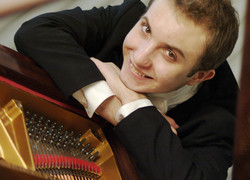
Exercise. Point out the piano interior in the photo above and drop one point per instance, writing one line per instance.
(45, 138)
(54, 132)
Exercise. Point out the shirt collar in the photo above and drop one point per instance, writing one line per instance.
(167, 101)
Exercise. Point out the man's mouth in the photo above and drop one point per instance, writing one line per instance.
(137, 72)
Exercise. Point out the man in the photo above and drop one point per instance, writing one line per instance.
(166, 56)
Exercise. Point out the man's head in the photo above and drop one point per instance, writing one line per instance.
(178, 42)
(218, 18)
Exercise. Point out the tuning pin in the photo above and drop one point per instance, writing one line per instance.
(89, 152)
(85, 147)
(94, 156)
(80, 143)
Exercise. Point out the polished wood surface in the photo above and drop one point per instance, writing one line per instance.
(22, 70)
(241, 167)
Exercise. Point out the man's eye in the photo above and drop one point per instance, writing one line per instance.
(170, 54)
(145, 29)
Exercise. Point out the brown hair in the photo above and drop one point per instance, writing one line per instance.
(220, 20)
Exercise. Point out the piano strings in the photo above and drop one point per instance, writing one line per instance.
(58, 152)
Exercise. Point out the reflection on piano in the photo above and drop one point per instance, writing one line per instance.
(44, 135)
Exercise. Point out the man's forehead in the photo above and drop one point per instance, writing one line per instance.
(174, 29)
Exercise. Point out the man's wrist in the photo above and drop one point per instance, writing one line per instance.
(109, 108)
(127, 98)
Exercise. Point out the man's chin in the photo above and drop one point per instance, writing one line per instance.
(134, 87)
(137, 89)
(130, 86)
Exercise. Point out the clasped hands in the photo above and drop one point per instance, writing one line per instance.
(123, 95)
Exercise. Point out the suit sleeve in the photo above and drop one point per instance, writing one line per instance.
(62, 42)
(202, 149)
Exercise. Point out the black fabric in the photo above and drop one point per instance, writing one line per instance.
(62, 43)
(202, 149)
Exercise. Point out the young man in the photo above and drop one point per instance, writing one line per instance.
(166, 54)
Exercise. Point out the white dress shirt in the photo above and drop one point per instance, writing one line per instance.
(93, 95)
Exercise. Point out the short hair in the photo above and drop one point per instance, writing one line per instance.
(220, 20)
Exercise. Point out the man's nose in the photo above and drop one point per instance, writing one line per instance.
(143, 54)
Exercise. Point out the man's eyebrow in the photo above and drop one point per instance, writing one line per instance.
(169, 46)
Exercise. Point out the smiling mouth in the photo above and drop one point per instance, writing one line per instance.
(137, 72)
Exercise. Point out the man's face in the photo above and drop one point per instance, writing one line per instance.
(161, 49)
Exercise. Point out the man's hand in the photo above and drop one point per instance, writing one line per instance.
(123, 96)
(112, 75)
(172, 123)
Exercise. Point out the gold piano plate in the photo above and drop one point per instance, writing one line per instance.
(14, 141)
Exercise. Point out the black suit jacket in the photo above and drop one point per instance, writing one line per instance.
(62, 43)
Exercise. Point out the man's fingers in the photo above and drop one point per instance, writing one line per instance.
(171, 121)
(174, 130)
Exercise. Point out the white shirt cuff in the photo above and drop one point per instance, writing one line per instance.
(127, 109)
(92, 95)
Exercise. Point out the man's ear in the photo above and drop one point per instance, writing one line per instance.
(201, 76)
